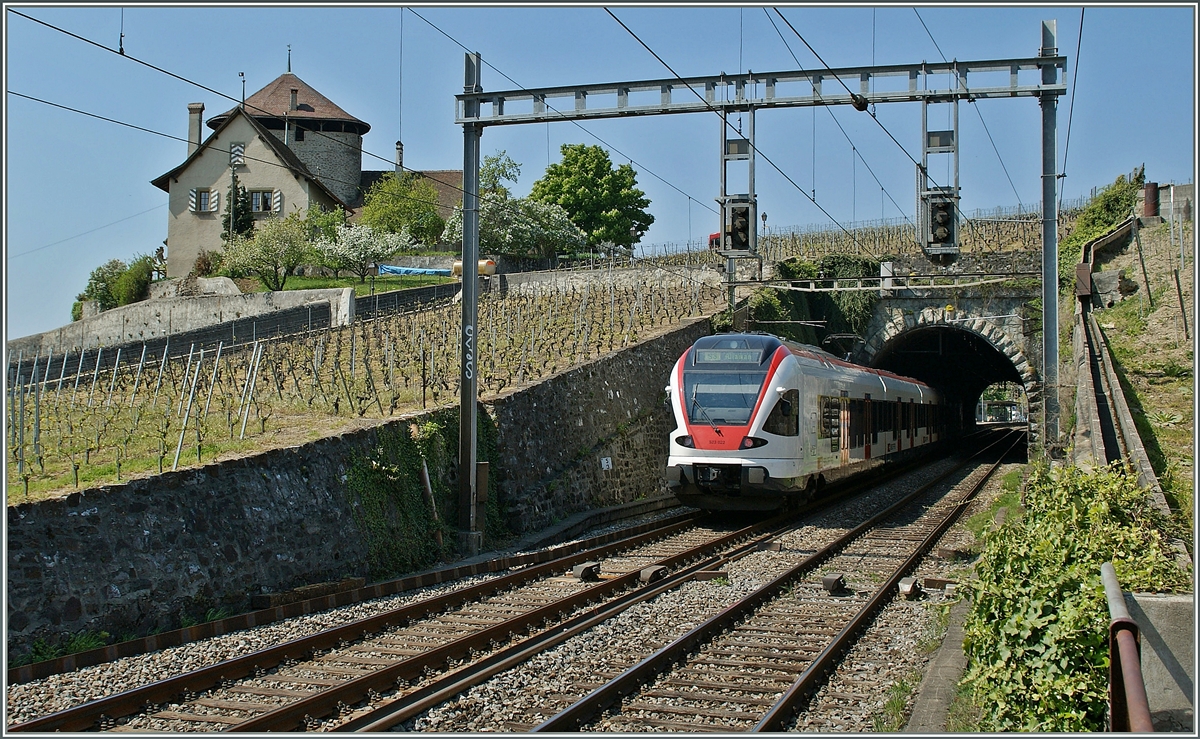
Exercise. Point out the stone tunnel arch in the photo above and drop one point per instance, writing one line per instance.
(959, 354)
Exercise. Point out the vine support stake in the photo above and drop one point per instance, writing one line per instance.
(183, 426)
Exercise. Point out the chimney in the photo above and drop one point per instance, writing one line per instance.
(292, 105)
(195, 115)
(399, 158)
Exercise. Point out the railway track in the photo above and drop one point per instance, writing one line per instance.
(409, 658)
(571, 687)
(346, 663)
(750, 666)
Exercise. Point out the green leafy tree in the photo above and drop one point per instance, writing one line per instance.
(100, 284)
(520, 227)
(243, 216)
(322, 227)
(133, 284)
(407, 203)
(604, 202)
(273, 252)
(494, 171)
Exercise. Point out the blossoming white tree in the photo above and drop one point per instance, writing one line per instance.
(360, 248)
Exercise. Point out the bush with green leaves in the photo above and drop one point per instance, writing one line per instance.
(116, 283)
(1112, 205)
(1037, 634)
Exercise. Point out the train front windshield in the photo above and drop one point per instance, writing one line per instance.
(721, 398)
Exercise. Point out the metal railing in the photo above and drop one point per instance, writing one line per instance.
(1128, 707)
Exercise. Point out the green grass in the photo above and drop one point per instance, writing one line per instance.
(894, 714)
(1009, 499)
(383, 283)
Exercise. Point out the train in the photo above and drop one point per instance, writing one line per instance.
(763, 423)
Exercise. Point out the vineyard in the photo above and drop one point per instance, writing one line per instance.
(145, 415)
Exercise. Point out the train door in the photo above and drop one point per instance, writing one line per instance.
(844, 429)
(868, 427)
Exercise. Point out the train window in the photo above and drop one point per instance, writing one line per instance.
(831, 418)
(784, 419)
(721, 398)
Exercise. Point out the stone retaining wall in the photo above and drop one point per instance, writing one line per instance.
(131, 558)
(153, 319)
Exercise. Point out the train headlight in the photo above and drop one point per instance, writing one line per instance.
(686, 441)
(750, 442)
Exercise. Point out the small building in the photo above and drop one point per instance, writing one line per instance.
(291, 148)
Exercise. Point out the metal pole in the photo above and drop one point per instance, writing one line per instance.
(468, 389)
(1049, 105)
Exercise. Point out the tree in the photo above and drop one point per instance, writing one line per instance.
(100, 284)
(116, 283)
(133, 284)
(603, 202)
(520, 227)
(497, 168)
(276, 248)
(243, 217)
(360, 248)
(405, 203)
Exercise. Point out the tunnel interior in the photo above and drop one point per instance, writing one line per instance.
(959, 363)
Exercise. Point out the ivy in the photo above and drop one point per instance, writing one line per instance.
(1036, 637)
(387, 497)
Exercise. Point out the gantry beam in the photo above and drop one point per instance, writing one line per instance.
(930, 82)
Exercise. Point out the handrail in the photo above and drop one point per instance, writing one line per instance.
(1129, 709)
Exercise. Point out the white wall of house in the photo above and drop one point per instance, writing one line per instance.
(191, 231)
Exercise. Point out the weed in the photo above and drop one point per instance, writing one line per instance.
(893, 715)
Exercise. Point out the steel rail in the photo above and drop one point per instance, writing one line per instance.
(583, 710)
(130, 701)
(294, 714)
(445, 688)
(824, 663)
(178, 637)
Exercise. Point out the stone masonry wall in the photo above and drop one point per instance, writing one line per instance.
(130, 558)
(611, 408)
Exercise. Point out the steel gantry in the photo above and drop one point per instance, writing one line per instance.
(724, 94)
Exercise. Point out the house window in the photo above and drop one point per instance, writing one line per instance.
(299, 133)
(260, 201)
(237, 154)
(202, 201)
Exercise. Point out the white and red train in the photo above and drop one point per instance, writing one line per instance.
(761, 422)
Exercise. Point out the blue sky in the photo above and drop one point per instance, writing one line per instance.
(78, 192)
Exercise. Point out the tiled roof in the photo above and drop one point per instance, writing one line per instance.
(275, 99)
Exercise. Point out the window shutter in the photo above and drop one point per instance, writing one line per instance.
(277, 201)
(213, 201)
(192, 200)
(237, 154)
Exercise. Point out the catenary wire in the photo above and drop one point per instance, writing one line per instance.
(978, 112)
(787, 46)
(963, 216)
(1071, 113)
(358, 149)
(730, 126)
(645, 169)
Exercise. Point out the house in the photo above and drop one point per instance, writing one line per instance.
(290, 147)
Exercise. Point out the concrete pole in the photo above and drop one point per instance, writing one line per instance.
(1049, 105)
(468, 520)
